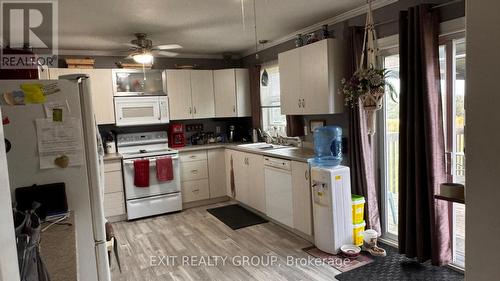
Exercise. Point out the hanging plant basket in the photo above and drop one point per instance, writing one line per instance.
(368, 83)
(372, 102)
(373, 99)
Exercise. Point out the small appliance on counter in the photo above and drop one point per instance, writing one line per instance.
(176, 135)
(231, 133)
(109, 143)
(201, 138)
(238, 133)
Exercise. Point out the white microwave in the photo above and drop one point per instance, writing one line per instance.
(141, 110)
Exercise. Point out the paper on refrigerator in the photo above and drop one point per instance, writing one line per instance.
(58, 139)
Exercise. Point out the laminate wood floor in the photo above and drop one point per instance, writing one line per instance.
(174, 247)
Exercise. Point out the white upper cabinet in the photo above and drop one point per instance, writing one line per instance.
(289, 68)
(179, 94)
(190, 93)
(310, 78)
(202, 93)
(101, 88)
(232, 93)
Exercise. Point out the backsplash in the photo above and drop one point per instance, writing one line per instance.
(242, 125)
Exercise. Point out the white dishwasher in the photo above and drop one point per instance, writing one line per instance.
(278, 180)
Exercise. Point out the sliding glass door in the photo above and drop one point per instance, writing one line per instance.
(390, 147)
(452, 62)
(452, 67)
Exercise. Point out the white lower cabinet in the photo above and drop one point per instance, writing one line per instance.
(248, 178)
(203, 174)
(114, 197)
(255, 181)
(195, 190)
(194, 176)
(301, 186)
(216, 172)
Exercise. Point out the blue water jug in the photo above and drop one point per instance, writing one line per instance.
(328, 146)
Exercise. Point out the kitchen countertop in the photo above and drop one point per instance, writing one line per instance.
(293, 153)
(112, 156)
(202, 147)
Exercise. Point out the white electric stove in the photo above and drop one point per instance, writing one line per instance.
(159, 197)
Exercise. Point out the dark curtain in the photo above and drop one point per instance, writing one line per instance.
(254, 72)
(424, 226)
(362, 161)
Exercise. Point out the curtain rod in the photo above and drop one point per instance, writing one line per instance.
(433, 7)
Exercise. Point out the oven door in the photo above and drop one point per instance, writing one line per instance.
(144, 110)
(155, 187)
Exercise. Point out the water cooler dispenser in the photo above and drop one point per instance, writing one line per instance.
(331, 192)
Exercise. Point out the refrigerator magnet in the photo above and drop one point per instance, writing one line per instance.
(60, 104)
(62, 161)
(57, 115)
(14, 98)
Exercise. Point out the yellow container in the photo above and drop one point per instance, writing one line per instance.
(357, 230)
(358, 207)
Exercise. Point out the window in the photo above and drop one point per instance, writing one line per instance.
(272, 120)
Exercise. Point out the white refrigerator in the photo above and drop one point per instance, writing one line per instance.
(31, 160)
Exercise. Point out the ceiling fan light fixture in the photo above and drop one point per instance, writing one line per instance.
(143, 58)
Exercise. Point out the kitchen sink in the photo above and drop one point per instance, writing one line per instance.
(263, 146)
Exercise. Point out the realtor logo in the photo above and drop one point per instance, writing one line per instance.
(28, 34)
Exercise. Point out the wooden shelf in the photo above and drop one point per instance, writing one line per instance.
(450, 199)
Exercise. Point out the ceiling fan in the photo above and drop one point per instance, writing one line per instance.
(141, 49)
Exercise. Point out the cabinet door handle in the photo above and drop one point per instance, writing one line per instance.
(303, 103)
(190, 111)
(306, 174)
(299, 103)
(196, 190)
(194, 171)
(192, 156)
(234, 108)
(194, 108)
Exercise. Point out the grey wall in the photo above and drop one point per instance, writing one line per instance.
(161, 63)
(387, 20)
(387, 15)
(482, 135)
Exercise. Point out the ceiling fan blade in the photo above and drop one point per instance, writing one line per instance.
(167, 47)
(130, 45)
(166, 54)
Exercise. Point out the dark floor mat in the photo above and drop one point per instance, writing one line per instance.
(235, 216)
(398, 267)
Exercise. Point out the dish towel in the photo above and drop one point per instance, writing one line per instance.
(141, 173)
(164, 168)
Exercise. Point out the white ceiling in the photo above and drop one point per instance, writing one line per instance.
(203, 27)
